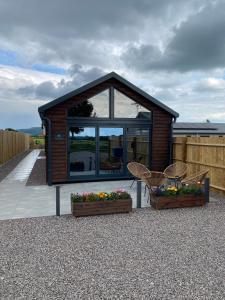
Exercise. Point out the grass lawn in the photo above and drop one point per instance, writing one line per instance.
(38, 140)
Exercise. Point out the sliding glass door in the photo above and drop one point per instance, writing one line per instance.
(111, 150)
(82, 151)
(138, 145)
(104, 151)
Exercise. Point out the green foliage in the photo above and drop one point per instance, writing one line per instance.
(83, 109)
(88, 144)
(39, 140)
(173, 191)
(102, 196)
(11, 129)
(190, 189)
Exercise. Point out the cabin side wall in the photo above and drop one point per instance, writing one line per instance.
(161, 130)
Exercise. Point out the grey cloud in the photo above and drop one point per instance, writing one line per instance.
(47, 90)
(83, 32)
(75, 18)
(44, 90)
(197, 44)
(83, 76)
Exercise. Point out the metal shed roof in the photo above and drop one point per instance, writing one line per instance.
(102, 79)
(189, 128)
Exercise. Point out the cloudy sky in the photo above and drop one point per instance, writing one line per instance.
(174, 50)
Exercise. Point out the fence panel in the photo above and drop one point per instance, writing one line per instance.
(12, 143)
(203, 153)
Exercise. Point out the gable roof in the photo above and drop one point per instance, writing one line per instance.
(102, 79)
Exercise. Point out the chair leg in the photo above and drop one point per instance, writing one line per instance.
(145, 189)
(132, 183)
(148, 201)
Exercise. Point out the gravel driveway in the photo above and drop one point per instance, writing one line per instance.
(170, 254)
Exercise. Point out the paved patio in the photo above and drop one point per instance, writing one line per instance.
(170, 254)
(20, 201)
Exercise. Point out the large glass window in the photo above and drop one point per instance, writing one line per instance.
(82, 151)
(124, 107)
(94, 107)
(111, 150)
(138, 145)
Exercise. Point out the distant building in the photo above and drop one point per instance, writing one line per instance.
(200, 129)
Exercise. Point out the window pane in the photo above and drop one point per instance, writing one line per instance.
(95, 107)
(138, 145)
(127, 108)
(111, 150)
(82, 151)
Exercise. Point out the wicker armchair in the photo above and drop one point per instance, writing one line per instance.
(153, 180)
(176, 171)
(195, 178)
(137, 169)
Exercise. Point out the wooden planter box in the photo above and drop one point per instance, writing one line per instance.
(179, 201)
(80, 209)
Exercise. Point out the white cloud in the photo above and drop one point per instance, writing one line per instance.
(210, 84)
(17, 110)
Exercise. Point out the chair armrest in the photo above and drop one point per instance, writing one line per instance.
(146, 175)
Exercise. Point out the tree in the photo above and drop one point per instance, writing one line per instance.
(84, 109)
(11, 129)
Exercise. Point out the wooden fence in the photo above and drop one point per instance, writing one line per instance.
(137, 147)
(203, 153)
(12, 143)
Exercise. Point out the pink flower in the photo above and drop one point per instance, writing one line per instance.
(120, 191)
(86, 194)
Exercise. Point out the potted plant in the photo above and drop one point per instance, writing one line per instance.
(89, 204)
(175, 197)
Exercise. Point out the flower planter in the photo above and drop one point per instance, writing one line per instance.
(80, 209)
(177, 201)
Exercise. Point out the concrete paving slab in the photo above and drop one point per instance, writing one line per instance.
(23, 169)
(20, 201)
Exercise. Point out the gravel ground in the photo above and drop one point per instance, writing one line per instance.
(38, 174)
(11, 164)
(170, 254)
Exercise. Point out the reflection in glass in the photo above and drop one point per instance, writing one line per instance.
(111, 150)
(94, 107)
(127, 108)
(82, 151)
(138, 145)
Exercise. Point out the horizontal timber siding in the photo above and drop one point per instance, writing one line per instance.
(58, 115)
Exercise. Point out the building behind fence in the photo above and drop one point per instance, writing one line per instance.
(203, 153)
(12, 143)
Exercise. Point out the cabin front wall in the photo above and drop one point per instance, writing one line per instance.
(161, 130)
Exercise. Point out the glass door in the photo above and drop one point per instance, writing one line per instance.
(111, 151)
(97, 151)
(138, 145)
(82, 157)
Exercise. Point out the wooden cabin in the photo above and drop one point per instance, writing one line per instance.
(94, 131)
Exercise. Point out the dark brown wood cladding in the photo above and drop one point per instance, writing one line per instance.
(161, 128)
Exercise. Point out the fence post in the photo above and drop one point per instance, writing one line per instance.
(57, 200)
(206, 190)
(138, 193)
(184, 149)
